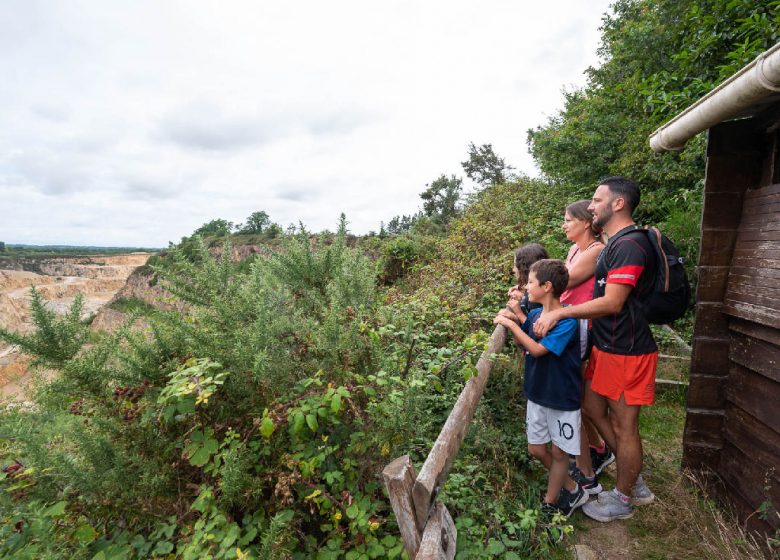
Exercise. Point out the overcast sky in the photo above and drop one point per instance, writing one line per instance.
(133, 123)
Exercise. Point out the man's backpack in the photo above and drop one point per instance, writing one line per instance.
(670, 297)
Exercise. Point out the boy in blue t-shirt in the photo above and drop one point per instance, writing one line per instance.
(553, 385)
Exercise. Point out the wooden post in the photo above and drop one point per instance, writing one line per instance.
(399, 479)
(439, 461)
(439, 540)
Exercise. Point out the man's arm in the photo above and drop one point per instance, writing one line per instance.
(615, 296)
(534, 348)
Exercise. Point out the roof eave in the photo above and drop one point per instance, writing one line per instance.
(734, 97)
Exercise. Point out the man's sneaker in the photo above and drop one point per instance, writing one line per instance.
(588, 483)
(569, 501)
(608, 507)
(601, 461)
(641, 495)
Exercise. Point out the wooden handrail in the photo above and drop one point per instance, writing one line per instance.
(415, 505)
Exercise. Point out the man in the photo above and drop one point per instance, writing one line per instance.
(624, 354)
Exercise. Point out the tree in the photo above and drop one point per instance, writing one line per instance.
(440, 198)
(257, 222)
(401, 224)
(215, 228)
(484, 167)
(659, 57)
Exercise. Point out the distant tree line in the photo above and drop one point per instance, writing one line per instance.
(258, 223)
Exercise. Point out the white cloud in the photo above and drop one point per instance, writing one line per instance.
(134, 123)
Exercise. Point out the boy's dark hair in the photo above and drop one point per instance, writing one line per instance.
(625, 188)
(553, 271)
(525, 256)
(579, 210)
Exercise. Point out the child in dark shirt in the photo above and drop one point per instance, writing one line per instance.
(552, 384)
(518, 303)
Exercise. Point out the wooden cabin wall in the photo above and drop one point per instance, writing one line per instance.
(732, 425)
(734, 158)
(750, 459)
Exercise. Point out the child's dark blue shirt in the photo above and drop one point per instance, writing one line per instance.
(555, 379)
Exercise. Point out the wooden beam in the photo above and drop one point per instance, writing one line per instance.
(439, 461)
(677, 337)
(439, 540)
(399, 479)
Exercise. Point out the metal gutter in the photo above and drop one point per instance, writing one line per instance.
(752, 84)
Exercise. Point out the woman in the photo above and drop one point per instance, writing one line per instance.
(581, 264)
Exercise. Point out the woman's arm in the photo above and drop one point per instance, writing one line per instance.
(585, 266)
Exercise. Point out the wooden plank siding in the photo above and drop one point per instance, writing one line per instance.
(732, 429)
(753, 290)
(735, 161)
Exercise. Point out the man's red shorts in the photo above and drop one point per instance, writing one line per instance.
(614, 375)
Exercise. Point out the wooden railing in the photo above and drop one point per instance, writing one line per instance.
(426, 527)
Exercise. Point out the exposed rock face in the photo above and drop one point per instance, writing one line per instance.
(58, 280)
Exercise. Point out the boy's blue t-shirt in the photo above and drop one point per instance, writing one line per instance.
(555, 379)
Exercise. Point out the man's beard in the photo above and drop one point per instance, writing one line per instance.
(603, 218)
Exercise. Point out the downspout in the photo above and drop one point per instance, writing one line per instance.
(754, 82)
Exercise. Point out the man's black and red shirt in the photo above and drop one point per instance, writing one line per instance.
(629, 259)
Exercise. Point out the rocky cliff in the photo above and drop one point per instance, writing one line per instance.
(97, 278)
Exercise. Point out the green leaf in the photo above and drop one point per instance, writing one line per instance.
(211, 445)
(495, 547)
(298, 422)
(311, 421)
(163, 547)
(55, 510)
(266, 427)
(335, 403)
(85, 534)
(353, 511)
(186, 405)
(200, 457)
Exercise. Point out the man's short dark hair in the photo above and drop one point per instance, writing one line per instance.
(624, 188)
(553, 271)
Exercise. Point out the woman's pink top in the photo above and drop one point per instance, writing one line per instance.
(581, 292)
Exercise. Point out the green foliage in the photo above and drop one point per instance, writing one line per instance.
(484, 167)
(131, 305)
(259, 223)
(253, 422)
(57, 338)
(659, 57)
(400, 254)
(214, 228)
(440, 198)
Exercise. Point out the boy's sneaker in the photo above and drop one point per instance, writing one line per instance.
(569, 501)
(608, 507)
(588, 483)
(601, 461)
(554, 532)
(641, 495)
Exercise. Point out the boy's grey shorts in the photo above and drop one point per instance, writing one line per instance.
(562, 427)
